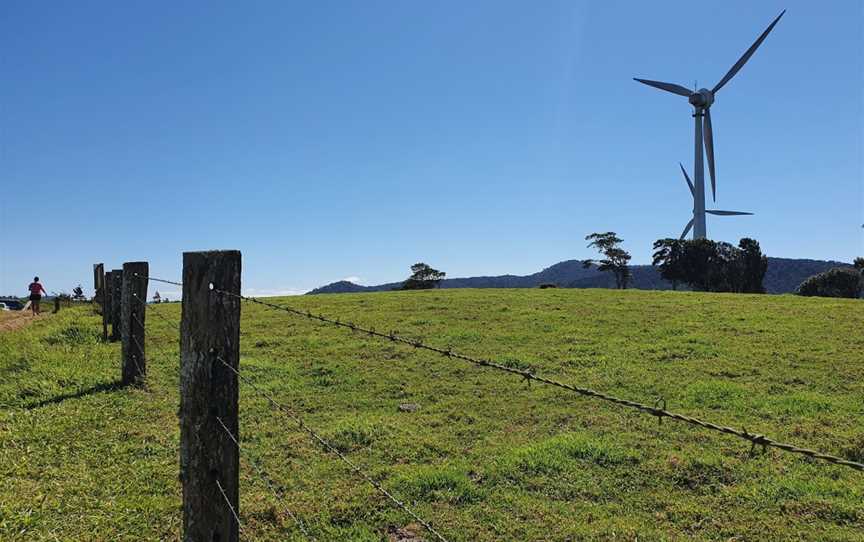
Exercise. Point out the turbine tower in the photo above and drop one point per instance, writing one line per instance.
(701, 100)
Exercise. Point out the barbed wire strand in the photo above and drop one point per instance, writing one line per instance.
(755, 439)
(141, 372)
(332, 449)
(267, 480)
(160, 316)
(145, 277)
(228, 502)
(138, 343)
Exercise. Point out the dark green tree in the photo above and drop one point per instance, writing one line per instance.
(837, 282)
(699, 261)
(668, 257)
(752, 265)
(711, 266)
(859, 263)
(423, 277)
(616, 259)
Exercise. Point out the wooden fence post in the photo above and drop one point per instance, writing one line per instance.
(99, 294)
(116, 291)
(133, 320)
(107, 309)
(98, 269)
(209, 340)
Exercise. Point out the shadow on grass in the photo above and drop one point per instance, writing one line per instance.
(98, 388)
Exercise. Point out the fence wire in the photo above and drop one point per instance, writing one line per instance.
(230, 507)
(656, 409)
(141, 374)
(335, 451)
(154, 279)
(267, 480)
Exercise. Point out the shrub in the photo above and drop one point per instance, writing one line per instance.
(546, 285)
(837, 282)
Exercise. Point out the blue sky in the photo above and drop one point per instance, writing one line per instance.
(352, 139)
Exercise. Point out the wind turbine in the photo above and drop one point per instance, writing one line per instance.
(709, 211)
(701, 100)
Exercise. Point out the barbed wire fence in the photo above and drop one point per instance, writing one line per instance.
(211, 265)
(335, 451)
(268, 481)
(315, 436)
(657, 409)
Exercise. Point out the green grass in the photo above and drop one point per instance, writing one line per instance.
(485, 457)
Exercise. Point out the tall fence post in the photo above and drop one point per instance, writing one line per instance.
(99, 294)
(116, 292)
(133, 321)
(210, 340)
(107, 309)
(98, 276)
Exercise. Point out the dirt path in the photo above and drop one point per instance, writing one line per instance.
(10, 320)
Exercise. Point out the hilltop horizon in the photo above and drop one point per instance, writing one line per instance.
(783, 276)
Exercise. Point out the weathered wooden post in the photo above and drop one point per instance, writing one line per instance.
(107, 309)
(56, 304)
(116, 291)
(99, 295)
(209, 350)
(97, 286)
(133, 313)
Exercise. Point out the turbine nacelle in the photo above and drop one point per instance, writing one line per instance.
(701, 99)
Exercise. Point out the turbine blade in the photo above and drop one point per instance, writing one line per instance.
(708, 135)
(746, 56)
(687, 228)
(726, 213)
(668, 87)
(687, 178)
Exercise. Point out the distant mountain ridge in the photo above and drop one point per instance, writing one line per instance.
(783, 276)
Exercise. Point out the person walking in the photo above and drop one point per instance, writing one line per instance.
(36, 291)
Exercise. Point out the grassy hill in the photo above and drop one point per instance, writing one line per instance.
(484, 457)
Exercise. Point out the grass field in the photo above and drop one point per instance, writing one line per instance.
(485, 457)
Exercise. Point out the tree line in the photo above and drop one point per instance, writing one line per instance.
(712, 266)
(699, 264)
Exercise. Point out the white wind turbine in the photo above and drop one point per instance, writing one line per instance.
(701, 100)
